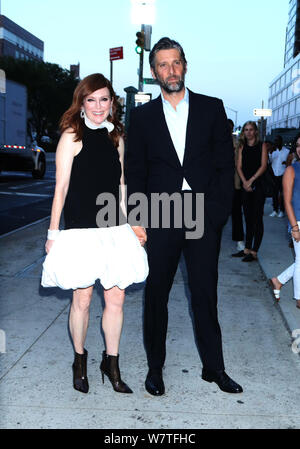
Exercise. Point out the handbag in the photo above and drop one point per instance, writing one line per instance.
(268, 182)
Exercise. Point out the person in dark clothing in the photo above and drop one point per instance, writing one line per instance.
(237, 212)
(252, 163)
(180, 143)
(278, 159)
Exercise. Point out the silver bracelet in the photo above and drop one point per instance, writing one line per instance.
(53, 234)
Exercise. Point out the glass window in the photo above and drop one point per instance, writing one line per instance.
(292, 107)
(286, 110)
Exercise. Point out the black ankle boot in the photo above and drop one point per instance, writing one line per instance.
(80, 380)
(110, 367)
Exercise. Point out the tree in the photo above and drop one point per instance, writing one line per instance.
(49, 88)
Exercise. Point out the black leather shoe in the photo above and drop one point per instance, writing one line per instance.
(239, 254)
(249, 258)
(222, 380)
(154, 383)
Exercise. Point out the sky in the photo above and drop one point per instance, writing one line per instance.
(234, 48)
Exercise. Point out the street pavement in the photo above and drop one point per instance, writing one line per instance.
(23, 199)
(36, 389)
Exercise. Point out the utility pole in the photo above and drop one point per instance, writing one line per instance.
(140, 43)
(143, 43)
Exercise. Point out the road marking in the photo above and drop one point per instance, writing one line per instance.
(22, 186)
(22, 273)
(32, 184)
(25, 227)
(26, 194)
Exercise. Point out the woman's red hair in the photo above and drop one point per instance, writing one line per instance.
(72, 119)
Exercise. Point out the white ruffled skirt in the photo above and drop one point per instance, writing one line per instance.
(79, 257)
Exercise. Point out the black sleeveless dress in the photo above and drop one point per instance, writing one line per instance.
(96, 169)
(251, 161)
(84, 252)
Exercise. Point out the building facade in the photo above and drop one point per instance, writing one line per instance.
(17, 42)
(284, 90)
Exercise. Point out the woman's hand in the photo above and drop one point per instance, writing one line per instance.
(140, 233)
(48, 245)
(296, 236)
(247, 185)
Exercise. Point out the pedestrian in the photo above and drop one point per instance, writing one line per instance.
(89, 161)
(180, 143)
(252, 163)
(291, 193)
(291, 157)
(278, 159)
(237, 232)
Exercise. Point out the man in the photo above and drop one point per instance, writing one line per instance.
(180, 142)
(278, 160)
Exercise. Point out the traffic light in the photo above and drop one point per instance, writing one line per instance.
(140, 42)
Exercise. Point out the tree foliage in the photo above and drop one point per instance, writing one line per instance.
(49, 88)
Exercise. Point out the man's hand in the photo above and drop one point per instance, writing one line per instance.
(140, 233)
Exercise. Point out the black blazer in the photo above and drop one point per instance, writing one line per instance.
(152, 164)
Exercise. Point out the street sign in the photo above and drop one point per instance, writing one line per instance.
(150, 81)
(115, 53)
(141, 98)
(262, 112)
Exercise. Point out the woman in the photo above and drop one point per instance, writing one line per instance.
(291, 194)
(89, 161)
(251, 164)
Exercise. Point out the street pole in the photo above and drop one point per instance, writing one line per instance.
(141, 83)
(236, 113)
(111, 72)
(262, 124)
(141, 67)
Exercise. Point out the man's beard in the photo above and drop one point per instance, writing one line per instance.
(176, 86)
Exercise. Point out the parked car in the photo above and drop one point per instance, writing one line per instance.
(23, 158)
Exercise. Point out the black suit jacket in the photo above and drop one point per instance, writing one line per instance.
(152, 164)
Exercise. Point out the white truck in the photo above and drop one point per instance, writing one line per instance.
(16, 153)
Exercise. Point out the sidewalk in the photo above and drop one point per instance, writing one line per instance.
(36, 378)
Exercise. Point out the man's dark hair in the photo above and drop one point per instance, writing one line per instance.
(165, 43)
(230, 123)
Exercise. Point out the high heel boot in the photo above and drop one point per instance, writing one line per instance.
(110, 367)
(80, 380)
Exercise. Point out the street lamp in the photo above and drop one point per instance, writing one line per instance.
(236, 113)
(143, 12)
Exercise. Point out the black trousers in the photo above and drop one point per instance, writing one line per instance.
(164, 247)
(253, 205)
(237, 217)
(278, 196)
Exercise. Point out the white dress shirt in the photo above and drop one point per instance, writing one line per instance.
(276, 158)
(177, 124)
